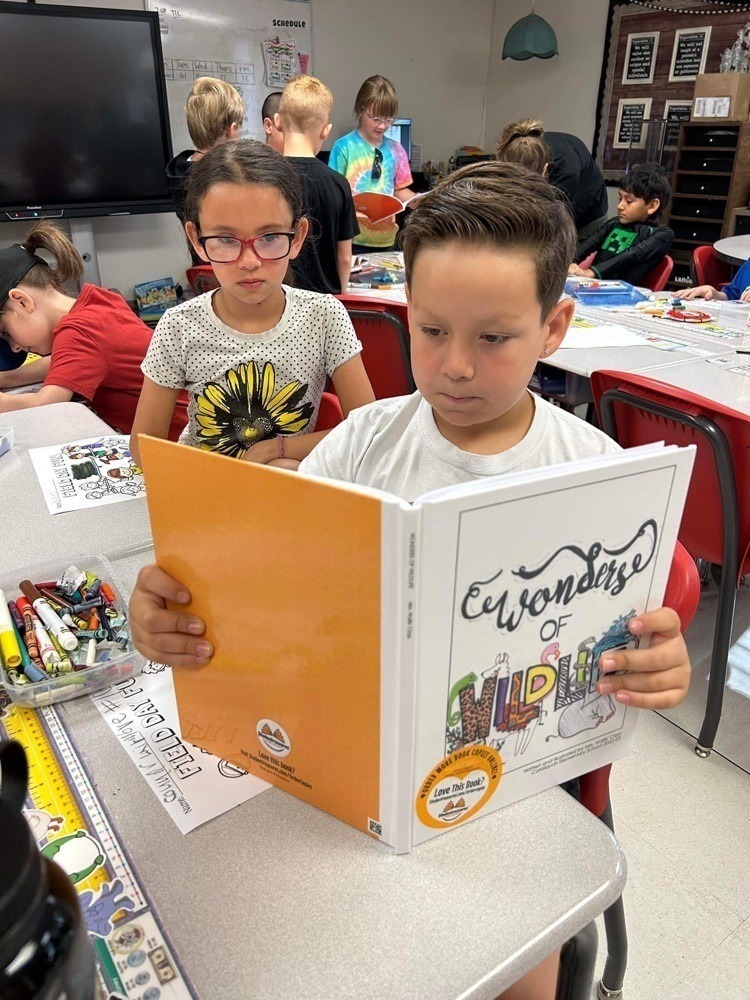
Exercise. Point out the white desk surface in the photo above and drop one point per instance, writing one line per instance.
(30, 533)
(735, 249)
(697, 342)
(275, 898)
(727, 382)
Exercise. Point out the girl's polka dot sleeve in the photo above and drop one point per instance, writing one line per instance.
(341, 342)
(164, 362)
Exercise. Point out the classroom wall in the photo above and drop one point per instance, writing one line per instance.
(444, 58)
(562, 91)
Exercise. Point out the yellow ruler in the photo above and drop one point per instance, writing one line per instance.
(48, 786)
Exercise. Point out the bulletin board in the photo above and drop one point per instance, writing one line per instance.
(651, 59)
(256, 46)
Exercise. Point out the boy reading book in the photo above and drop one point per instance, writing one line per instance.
(486, 255)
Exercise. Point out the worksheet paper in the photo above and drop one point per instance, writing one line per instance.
(191, 784)
(87, 473)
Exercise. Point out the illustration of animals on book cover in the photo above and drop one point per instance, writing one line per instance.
(535, 603)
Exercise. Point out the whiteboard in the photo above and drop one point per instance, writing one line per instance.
(256, 45)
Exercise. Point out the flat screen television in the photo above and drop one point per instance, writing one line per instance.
(401, 132)
(83, 106)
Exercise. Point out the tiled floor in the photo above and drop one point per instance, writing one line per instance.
(685, 826)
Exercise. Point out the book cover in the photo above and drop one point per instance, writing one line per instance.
(410, 667)
(153, 298)
(377, 206)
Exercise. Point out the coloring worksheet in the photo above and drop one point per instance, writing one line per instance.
(87, 473)
(191, 784)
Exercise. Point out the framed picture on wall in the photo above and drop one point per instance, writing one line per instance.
(640, 57)
(689, 53)
(674, 113)
(629, 130)
(685, 47)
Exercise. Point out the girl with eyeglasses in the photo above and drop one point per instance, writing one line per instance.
(91, 346)
(255, 353)
(371, 161)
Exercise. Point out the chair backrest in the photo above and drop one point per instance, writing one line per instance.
(330, 413)
(201, 278)
(657, 277)
(707, 268)
(385, 351)
(635, 409)
(682, 594)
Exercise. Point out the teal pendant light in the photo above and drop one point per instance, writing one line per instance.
(531, 36)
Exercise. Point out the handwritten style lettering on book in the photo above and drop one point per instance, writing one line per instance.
(510, 701)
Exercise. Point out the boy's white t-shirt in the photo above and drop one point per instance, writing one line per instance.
(394, 445)
(246, 387)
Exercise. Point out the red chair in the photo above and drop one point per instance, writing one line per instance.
(707, 268)
(657, 278)
(353, 301)
(385, 347)
(330, 413)
(201, 278)
(635, 409)
(682, 594)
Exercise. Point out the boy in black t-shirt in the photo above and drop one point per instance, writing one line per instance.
(629, 247)
(304, 117)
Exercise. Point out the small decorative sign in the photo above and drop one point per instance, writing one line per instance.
(629, 130)
(640, 57)
(674, 113)
(689, 53)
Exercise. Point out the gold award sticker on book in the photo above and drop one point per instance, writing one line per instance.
(459, 786)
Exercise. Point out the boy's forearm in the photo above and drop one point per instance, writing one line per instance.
(344, 262)
(28, 374)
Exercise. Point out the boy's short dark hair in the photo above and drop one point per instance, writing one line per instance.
(271, 105)
(504, 206)
(648, 181)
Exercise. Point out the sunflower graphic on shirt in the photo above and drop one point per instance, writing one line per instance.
(246, 407)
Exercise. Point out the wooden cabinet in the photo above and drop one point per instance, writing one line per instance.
(710, 180)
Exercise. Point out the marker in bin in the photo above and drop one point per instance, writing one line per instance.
(60, 627)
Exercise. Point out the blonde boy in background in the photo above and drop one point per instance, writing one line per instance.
(214, 112)
(304, 118)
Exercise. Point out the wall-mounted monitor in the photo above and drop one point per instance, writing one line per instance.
(84, 112)
(401, 132)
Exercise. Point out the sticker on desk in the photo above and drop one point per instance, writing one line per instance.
(191, 784)
(135, 959)
(670, 344)
(722, 360)
(740, 370)
(87, 473)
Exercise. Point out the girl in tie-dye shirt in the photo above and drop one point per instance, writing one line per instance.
(371, 161)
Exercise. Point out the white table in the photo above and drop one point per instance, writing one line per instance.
(30, 533)
(725, 380)
(577, 364)
(735, 249)
(277, 898)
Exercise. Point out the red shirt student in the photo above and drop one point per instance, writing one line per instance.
(96, 342)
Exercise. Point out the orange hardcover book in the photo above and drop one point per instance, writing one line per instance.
(408, 667)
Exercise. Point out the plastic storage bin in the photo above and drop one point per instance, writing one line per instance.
(66, 686)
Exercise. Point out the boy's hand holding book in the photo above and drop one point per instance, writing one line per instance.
(162, 635)
(653, 678)
(657, 677)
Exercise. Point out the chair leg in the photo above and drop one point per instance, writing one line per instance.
(610, 985)
(577, 964)
(719, 656)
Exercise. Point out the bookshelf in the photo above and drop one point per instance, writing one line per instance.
(710, 180)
